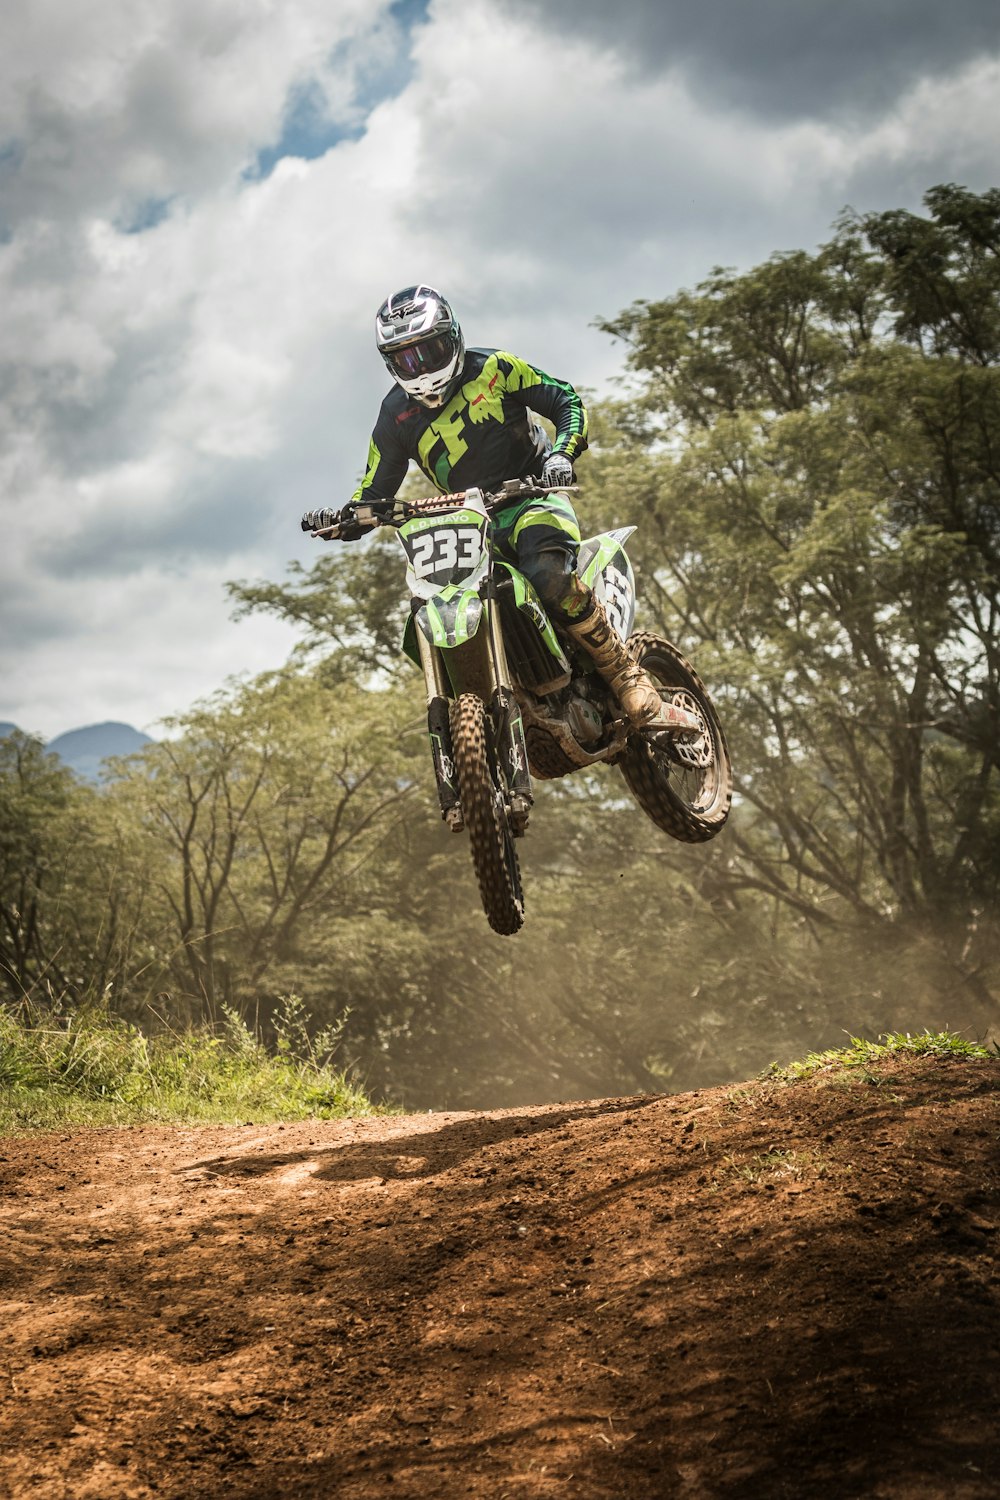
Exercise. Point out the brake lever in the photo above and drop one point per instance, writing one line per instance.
(327, 533)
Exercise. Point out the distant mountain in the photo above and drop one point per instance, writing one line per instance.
(84, 749)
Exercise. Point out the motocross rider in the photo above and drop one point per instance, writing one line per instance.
(464, 416)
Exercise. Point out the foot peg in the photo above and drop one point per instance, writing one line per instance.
(675, 722)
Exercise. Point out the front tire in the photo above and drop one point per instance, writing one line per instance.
(687, 788)
(484, 810)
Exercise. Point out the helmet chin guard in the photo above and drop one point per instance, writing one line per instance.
(419, 338)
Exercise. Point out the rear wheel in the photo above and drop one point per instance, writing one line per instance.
(484, 809)
(684, 786)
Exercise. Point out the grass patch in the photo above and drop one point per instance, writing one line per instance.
(773, 1163)
(89, 1067)
(771, 1166)
(860, 1058)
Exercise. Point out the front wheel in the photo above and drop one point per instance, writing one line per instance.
(484, 809)
(685, 787)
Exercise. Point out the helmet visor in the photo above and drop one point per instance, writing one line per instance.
(423, 358)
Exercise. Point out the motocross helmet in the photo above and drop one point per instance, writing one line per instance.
(419, 338)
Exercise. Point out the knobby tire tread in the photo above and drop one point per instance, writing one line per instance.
(494, 855)
(646, 772)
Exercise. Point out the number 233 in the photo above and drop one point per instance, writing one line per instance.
(445, 549)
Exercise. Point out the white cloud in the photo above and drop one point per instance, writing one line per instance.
(154, 641)
(110, 104)
(781, 59)
(172, 399)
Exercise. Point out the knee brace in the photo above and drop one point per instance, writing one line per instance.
(552, 573)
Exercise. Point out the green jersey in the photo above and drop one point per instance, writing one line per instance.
(483, 435)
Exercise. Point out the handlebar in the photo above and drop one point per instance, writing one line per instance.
(395, 512)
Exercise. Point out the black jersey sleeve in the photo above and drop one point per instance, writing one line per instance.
(555, 399)
(388, 461)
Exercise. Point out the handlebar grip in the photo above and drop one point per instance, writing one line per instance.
(328, 533)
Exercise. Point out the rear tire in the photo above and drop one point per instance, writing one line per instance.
(484, 809)
(687, 789)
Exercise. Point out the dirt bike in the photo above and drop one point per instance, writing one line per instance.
(509, 699)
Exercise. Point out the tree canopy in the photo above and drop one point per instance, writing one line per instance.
(814, 446)
(811, 452)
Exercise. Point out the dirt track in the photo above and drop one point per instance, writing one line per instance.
(628, 1298)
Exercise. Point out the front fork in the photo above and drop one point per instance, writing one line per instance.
(439, 730)
(505, 715)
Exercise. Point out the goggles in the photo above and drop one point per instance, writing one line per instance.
(424, 358)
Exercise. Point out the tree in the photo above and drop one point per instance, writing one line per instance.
(72, 884)
(264, 813)
(810, 450)
(814, 447)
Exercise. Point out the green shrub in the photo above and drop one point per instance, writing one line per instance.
(861, 1055)
(87, 1066)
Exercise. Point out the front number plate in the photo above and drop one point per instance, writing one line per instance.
(446, 553)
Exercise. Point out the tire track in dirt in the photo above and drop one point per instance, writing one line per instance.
(774, 1291)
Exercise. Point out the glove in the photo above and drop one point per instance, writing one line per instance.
(348, 528)
(319, 520)
(557, 471)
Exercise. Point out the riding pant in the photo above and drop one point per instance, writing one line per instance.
(541, 537)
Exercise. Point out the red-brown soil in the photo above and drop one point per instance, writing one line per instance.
(629, 1298)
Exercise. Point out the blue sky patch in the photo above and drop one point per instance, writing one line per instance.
(410, 13)
(307, 131)
(380, 72)
(389, 76)
(145, 215)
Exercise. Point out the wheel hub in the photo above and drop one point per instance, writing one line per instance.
(697, 754)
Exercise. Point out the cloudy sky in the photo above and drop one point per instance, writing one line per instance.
(202, 202)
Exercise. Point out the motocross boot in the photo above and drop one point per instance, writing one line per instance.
(633, 688)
